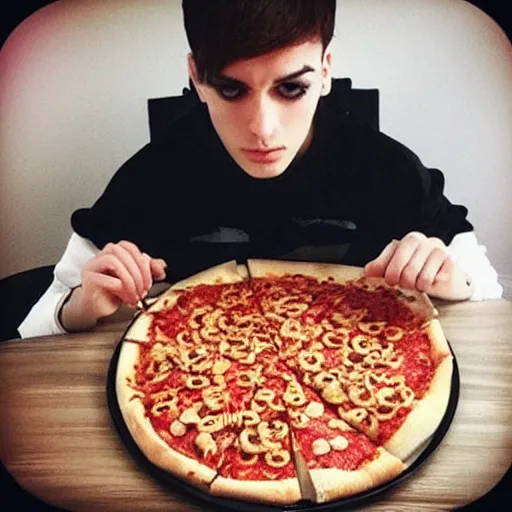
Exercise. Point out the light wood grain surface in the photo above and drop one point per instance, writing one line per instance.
(58, 441)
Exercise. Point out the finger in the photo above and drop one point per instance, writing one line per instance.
(431, 269)
(158, 267)
(403, 254)
(103, 294)
(448, 268)
(377, 267)
(148, 277)
(109, 283)
(413, 268)
(112, 285)
(132, 260)
(110, 265)
(142, 263)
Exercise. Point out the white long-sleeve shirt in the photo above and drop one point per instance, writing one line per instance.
(43, 317)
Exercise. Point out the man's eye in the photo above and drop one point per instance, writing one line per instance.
(230, 93)
(292, 90)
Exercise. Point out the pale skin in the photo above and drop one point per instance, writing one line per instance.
(262, 109)
(118, 274)
(417, 262)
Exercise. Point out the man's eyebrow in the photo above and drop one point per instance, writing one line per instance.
(223, 79)
(295, 74)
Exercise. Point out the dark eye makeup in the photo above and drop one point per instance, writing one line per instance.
(291, 90)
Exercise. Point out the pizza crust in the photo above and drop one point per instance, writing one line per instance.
(339, 273)
(426, 415)
(422, 306)
(141, 430)
(276, 492)
(125, 374)
(161, 454)
(243, 271)
(440, 347)
(164, 301)
(320, 271)
(139, 328)
(220, 274)
(333, 484)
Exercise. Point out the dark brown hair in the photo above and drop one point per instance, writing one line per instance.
(222, 31)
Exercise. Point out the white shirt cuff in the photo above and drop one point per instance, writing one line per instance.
(43, 317)
(472, 259)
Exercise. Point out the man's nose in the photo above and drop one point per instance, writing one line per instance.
(263, 119)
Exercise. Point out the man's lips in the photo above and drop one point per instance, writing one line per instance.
(264, 155)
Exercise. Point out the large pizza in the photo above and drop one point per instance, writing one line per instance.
(279, 381)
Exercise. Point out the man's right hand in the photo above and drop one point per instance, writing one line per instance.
(119, 274)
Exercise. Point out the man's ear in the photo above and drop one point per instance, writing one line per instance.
(326, 71)
(192, 71)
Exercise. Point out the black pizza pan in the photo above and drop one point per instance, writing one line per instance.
(205, 499)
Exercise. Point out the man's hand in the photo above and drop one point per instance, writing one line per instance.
(120, 273)
(423, 264)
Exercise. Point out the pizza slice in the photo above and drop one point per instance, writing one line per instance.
(338, 460)
(374, 353)
(225, 273)
(259, 465)
(392, 384)
(219, 287)
(228, 272)
(341, 460)
(197, 377)
(410, 380)
(184, 415)
(158, 403)
(319, 271)
(367, 298)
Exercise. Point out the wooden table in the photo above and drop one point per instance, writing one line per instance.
(58, 441)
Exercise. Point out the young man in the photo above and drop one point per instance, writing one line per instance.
(265, 165)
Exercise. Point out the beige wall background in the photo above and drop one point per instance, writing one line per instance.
(76, 75)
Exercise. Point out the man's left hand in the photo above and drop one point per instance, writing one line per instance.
(423, 264)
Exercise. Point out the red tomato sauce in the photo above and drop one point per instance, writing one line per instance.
(186, 446)
(389, 427)
(359, 450)
(418, 367)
